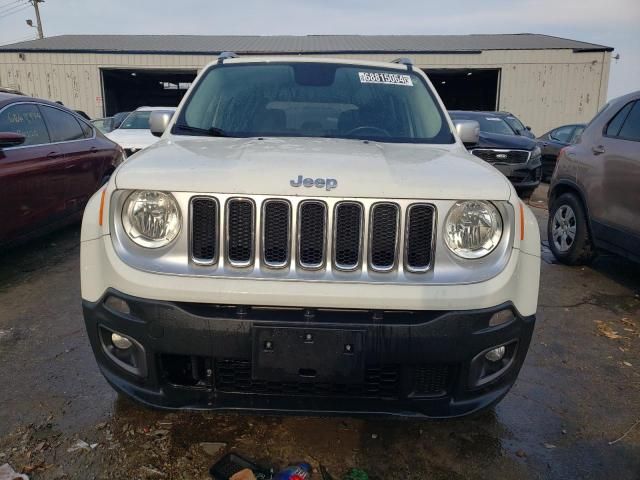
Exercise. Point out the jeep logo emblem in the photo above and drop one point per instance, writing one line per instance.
(328, 183)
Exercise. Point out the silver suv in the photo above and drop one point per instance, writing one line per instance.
(593, 196)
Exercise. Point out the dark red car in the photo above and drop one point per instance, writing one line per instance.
(51, 162)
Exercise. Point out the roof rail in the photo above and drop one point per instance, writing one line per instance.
(404, 61)
(225, 56)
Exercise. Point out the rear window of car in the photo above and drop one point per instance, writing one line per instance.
(26, 120)
(63, 127)
(631, 127)
(292, 99)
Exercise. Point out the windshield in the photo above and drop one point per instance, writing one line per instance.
(314, 100)
(515, 124)
(488, 123)
(137, 121)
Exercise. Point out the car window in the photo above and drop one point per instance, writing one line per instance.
(616, 123)
(631, 128)
(86, 129)
(137, 121)
(26, 120)
(63, 127)
(576, 134)
(315, 100)
(488, 123)
(515, 123)
(562, 134)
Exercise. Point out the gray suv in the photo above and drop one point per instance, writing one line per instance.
(594, 191)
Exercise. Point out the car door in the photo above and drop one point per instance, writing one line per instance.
(30, 174)
(619, 152)
(82, 160)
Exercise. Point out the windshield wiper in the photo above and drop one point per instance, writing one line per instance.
(210, 132)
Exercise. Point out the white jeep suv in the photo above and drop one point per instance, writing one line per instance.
(310, 235)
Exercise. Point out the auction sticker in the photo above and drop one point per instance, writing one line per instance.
(385, 78)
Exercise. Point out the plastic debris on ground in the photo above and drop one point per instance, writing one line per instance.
(8, 473)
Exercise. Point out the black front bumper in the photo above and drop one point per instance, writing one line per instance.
(523, 176)
(200, 356)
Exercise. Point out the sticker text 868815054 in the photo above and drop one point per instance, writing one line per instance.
(385, 78)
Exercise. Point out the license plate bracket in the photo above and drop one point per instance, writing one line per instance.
(298, 354)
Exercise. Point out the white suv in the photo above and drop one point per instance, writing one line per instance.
(310, 235)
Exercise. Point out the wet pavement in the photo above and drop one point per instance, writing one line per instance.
(578, 392)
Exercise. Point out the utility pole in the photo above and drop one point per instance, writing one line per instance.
(38, 20)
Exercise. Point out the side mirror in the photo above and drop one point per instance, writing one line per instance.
(528, 128)
(159, 121)
(468, 131)
(10, 139)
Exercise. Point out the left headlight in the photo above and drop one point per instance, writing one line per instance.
(473, 228)
(536, 152)
(151, 219)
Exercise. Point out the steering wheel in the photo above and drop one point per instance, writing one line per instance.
(369, 128)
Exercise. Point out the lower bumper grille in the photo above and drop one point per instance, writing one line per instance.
(235, 376)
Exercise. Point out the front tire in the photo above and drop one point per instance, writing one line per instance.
(568, 231)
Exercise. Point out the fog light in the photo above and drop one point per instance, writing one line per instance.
(496, 354)
(123, 343)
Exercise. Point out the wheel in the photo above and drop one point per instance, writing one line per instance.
(568, 231)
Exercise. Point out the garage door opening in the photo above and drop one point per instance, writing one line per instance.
(125, 90)
(467, 89)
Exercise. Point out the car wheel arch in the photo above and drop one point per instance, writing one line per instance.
(567, 186)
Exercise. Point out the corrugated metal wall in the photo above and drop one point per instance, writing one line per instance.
(545, 88)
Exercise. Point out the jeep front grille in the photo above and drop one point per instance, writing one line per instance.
(501, 155)
(240, 231)
(313, 234)
(347, 235)
(276, 225)
(204, 230)
(312, 230)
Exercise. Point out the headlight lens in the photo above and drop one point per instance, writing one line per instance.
(473, 228)
(151, 219)
(536, 152)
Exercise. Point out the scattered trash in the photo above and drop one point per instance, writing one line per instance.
(295, 472)
(212, 448)
(8, 473)
(356, 474)
(82, 445)
(625, 433)
(627, 364)
(245, 474)
(549, 446)
(607, 331)
(232, 464)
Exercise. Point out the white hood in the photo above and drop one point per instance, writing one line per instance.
(248, 166)
(132, 138)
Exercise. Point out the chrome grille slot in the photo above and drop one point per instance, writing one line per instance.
(312, 223)
(383, 236)
(419, 237)
(204, 230)
(347, 235)
(240, 231)
(276, 225)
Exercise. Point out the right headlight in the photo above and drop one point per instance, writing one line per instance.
(151, 219)
(473, 228)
